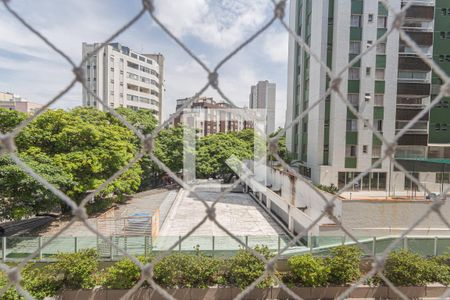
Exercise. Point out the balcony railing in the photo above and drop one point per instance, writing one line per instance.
(418, 127)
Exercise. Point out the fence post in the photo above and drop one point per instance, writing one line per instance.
(374, 248)
(343, 240)
(111, 248)
(40, 247)
(125, 241)
(405, 243)
(4, 248)
(179, 243)
(246, 241)
(213, 245)
(75, 244)
(435, 246)
(145, 245)
(279, 243)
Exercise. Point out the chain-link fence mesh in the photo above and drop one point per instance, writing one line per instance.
(7, 147)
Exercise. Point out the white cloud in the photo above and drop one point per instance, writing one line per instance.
(221, 23)
(276, 45)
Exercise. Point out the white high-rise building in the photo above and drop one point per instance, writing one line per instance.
(123, 78)
(262, 96)
(389, 86)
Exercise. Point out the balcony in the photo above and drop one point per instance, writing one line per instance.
(407, 88)
(418, 26)
(414, 77)
(412, 63)
(420, 127)
(411, 102)
(421, 9)
(409, 114)
(413, 140)
(421, 38)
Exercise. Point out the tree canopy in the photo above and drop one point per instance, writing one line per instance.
(76, 150)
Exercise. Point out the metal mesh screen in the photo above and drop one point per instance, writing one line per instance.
(7, 147)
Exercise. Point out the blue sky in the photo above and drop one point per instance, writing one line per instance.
(211, 28)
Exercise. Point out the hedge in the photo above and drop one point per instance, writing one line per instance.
(178, 270)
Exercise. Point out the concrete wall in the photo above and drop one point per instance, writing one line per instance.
(380, 217)
(301, 195)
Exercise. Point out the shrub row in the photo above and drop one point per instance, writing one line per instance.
(340, 267)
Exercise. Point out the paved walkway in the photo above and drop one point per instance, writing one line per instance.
(237, 212)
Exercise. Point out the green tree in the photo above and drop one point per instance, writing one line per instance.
(10, 119)
(142, 119)
(76, 150)
(21, 195)
(214, 150)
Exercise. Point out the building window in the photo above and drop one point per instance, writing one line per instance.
(381, 48)
(353, 74)
(379, 100)
(367, 97)
(365, 149)
(112, 69)
(368, 71)
(376, 151)
(353, 99)
(370, 18)
(352, 125)
(369, 43)
(382, 22)
(379, 74)
(444, 11)
(355, 47)
(111, 93)
(350, 150)
(356, 21)
(378, 124)
(111, 59)
(443, 178)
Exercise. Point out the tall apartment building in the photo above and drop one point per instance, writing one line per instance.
(389, 86)
(122, 77)
(15, 102)
(262, 96)
(209, 117)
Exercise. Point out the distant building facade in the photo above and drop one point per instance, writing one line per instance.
(123, 78)
(15, 102)
(262, 96)
(209, 117)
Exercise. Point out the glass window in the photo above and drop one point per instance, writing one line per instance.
(352, 125)
(381, 48)
(353, 74)
(368, 71)
(353, 99)
(379, 100)
(365, 148)
(370, 19)
(355, 47)
(382, 22)
(379, 74)
(376, 151)
(355, 21)
(443, 178)
(378, 125)
(350, 151)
